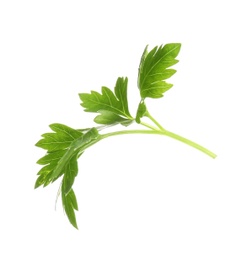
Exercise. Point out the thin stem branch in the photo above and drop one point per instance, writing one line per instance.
(147, 114)
(148, 126)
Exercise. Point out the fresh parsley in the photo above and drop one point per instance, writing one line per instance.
(65, 145)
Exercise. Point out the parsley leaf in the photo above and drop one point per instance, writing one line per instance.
(64, 146)
(112, 107)
(153, 70)
(60, 139)
(57, 144)
(70, 205)
(141, 111)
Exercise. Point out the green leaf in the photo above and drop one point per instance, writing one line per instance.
(76, 146)
(68, 196)
(70, 172)
(70, 205)
(153, 70)
(44, 175)
(112, 107)
(53, 157)
(57, 145)
(140, 69)
(109, 118)
(142, 109)
(64, 161)
(55, 160)
(59, 140)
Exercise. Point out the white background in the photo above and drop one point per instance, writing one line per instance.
(140, 197)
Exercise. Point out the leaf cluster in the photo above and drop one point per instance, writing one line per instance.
(64, 145)
(112, 107)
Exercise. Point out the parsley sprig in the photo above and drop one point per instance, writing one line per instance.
(65, 145)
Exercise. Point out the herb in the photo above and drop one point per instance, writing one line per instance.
(65, 145)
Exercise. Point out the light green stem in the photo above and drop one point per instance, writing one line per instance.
(162, 132)
(147, 114)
